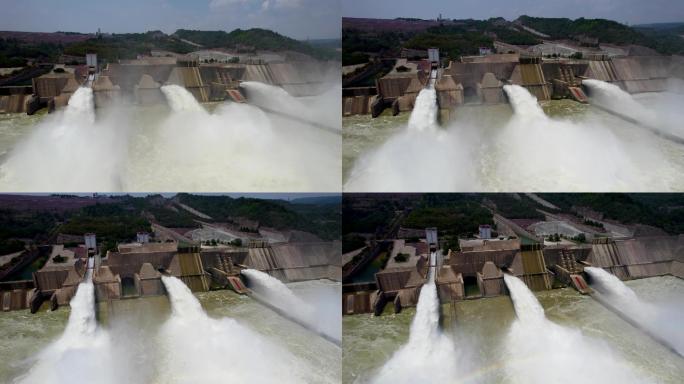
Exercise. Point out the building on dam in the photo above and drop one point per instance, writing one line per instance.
(520, 248)
(480, 79)
(139, 80)
(135, 269)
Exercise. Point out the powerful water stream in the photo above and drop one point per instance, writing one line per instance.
(429, 356)
(408, 160)
(315, 316)
(82, 354)
(216, 336)
(182, 148)
(551, 145)
(662, 317)
(664, 117)
(207, 350)
(544, 352)
(482, 328)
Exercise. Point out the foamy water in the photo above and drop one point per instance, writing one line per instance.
(198, 348)
(528, 151)
(234, 147)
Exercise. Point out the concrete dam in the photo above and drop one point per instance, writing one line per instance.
(480, 80)
(488, 110)
(168, 292)
(462, 302)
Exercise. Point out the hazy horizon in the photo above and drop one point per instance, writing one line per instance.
(298, 19)
(629, 12)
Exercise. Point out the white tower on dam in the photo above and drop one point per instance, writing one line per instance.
(143, 237)
(433, 243)
(90, 241)
(433, 57)
(485, 231)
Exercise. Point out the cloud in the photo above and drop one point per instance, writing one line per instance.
(224, 3)
(266, 5)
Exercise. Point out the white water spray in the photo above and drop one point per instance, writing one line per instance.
(237, 146)
(524, 104)
(429, 356)
(663, 116)
(82, 354)
(180, 99)
(69, 151)
(541, 351)
(278, 295)
(593, 151)
(234, 147)
(424, 115)
(200, 349)
(662, 320)
(560, 154)
(412, 159)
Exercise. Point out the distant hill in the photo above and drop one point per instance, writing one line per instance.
(661, 26)
(252, 39)
(364, 37)
(320, 200)
(46, 37)
(606, 31)
(322, 219)
(17, 47)
(28, 219)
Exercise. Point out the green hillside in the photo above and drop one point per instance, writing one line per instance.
(253, 39)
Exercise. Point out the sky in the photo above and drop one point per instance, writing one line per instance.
(299, 19)
(624, 11)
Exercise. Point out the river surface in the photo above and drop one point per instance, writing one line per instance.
(481, 327)
(135, 325)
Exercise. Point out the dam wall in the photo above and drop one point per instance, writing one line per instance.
(604, 254)
(480, 80)
(449, 284)
(532, 77)
(140, 81)
(473, 262)
(187, 266)
(358, 100)
(491, 280)
(358, 302)
(639, 257)
(530, 267)
(470, 75)
(297, 261)
(15, 299)
(636, 74)
(14, 99)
